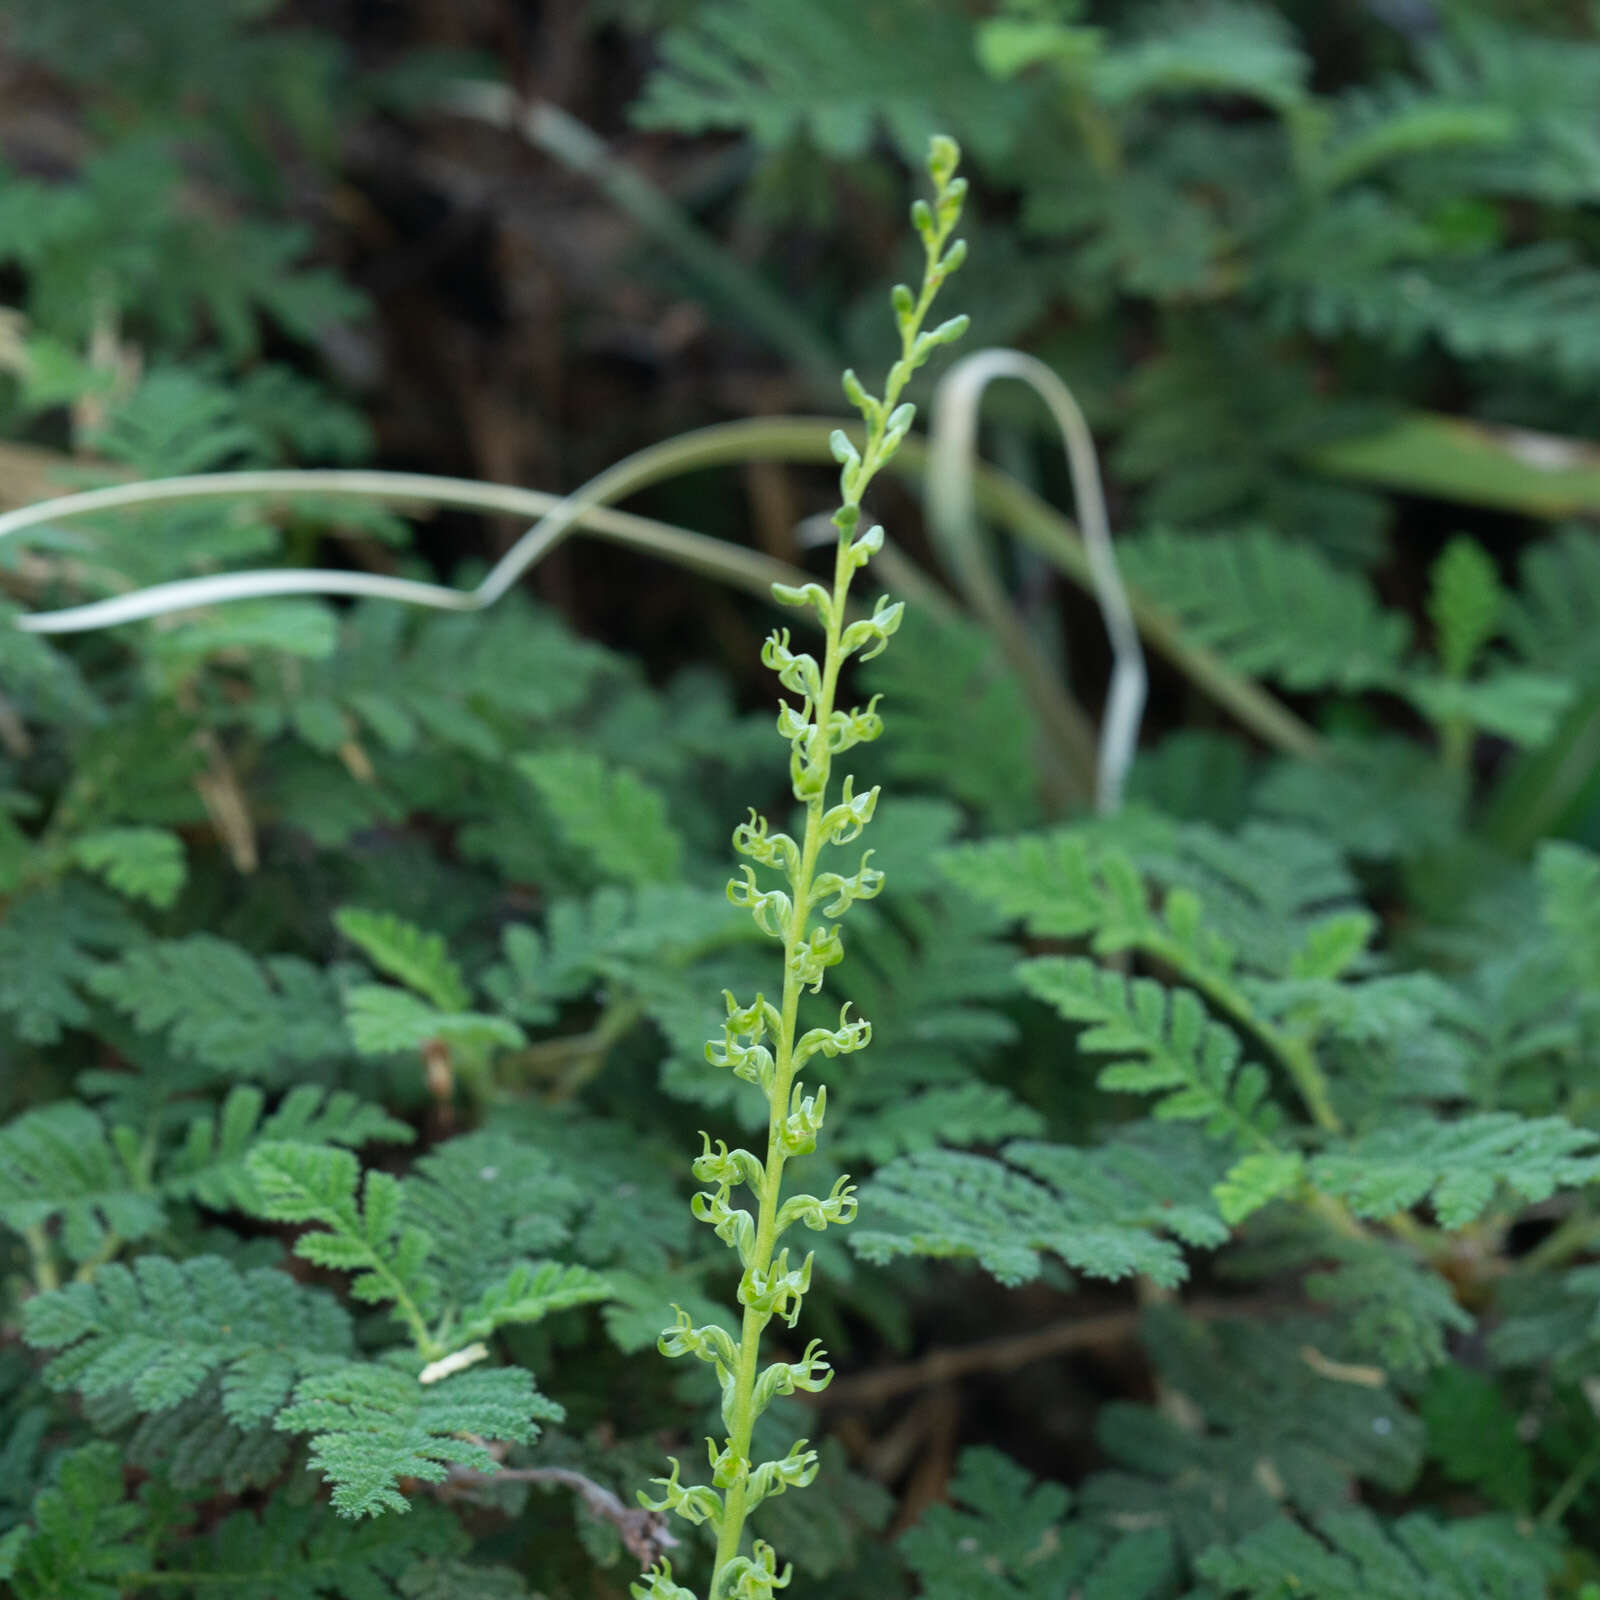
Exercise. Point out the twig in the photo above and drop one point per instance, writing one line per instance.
(1002, 1354)
(644, 1534)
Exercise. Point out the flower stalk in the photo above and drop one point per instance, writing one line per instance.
(759, 1042)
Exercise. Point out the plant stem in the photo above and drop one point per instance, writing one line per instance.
(46, 1275)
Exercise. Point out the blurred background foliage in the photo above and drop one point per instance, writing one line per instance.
(1325, 276)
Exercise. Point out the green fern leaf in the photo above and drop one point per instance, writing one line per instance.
(1533, 305)
(1569, 905)
(605, 937)
(1464, 605)
(1177, 1049)
(60, 1161)
(886, 1121)
(617, 822)
(1553, 619)
(210, 1166)
(161, 1327)
(1353, 1556)
(385, 1021)
(829, 75)
(529, 1293)
(1006, 1537)
(142, 863)
(192, 1445)
(1226, 48)
(1472, 1434)
(223, 1008)
(49, 944)
(1457, 1164)
(1270, 608)
(373, 1425)
(1401, 120)
(1398, 1310)
(1103, 1211)
(1375, 799)
(1523, 707)
(300, 1552)
(86, 1540)
(419, 960)
(41, 682)
(488, 1200)
(963, 726)
(366, 1235)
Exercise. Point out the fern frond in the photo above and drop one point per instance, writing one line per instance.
(223, 1008)
(886, 1122)
(400, 950)
(1227, 47)
(1553, 619)
(388, 1021)
(192, 1445)
(830, 74)
(1543, 82)
(142, 863)
(529, 1292)
(160, 1328)
(1103, 1211)
(1536, 304)
(1522, 707)
(963, 726)
(50, 942)
(1270, 890)
(372, 1425)
(488, 1200)
(1402, 119)
(1178, 1051)
(402, 678)
(85, 1540)
(1353, 1556)
(210, 1166)
(61, 1161)
(1270, 608)
(1374, 799)
(1005, 1536)
(1458, 1165)
(1569, 905)
(1465, 600)
(1398, 1311)
(366, 1232)
(615, 821)
(42, 682)
(606, 936)
(300, 1552)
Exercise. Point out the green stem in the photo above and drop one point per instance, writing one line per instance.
(1296, 1055)
(46, 1275)
(1571, 1488)
(879, 448)
(754, 1322)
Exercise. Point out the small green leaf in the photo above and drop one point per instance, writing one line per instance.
(142, 863)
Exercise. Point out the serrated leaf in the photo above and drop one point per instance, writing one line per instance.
(142, 863)
(384, 1021)
(61, 1161)
(1459, 1164)
(419, 960)
(1257, 1180)
(210, 1166)
(159, 1328)
(619, 823)
(1103, 1211)
(373, 1425)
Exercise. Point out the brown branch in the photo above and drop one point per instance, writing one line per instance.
(1005, 1353)
(644, 1533)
